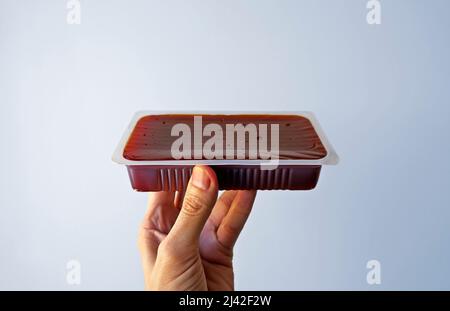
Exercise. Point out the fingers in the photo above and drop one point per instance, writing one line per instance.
(158, 200)
(199, 199)
(179, 199)
(153, 226)
(222, 207)
(233, 222)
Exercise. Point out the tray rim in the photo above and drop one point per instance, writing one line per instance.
(330, 159)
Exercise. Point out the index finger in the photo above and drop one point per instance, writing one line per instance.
(233, 222)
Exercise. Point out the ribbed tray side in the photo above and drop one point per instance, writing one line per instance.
(176, 178)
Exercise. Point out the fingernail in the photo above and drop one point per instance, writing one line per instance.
(200, 178)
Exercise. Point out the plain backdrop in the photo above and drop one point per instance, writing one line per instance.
(381, 93)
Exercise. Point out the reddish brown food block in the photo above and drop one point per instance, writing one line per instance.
(151, 138)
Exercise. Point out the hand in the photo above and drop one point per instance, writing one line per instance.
(188, 244)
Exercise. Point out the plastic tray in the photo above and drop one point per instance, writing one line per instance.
(173, 175)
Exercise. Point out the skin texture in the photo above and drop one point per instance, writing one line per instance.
(186, 240)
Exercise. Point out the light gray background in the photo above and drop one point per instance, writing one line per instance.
(381, 93)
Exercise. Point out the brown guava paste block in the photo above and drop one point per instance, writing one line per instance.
(151, 138)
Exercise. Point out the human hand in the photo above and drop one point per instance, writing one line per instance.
(187, 244)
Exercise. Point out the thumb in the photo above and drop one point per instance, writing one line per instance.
(200, 197)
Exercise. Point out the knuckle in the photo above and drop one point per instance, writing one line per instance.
(141, 240)
(229, 229)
